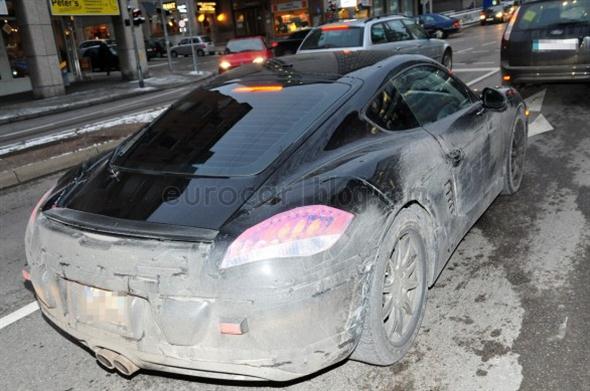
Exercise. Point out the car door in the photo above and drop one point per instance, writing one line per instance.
(183, 45)
(379, 38)
(424, 45)
(451, 113)
(400, 39)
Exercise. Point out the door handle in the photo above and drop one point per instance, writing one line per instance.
(398, 49)
(455, 156)
(480, 111)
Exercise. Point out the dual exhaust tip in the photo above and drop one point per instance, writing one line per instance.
(113, 360)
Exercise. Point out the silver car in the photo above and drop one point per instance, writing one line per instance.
(203, 45)
(395, 33)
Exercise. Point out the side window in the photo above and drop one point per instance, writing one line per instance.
(183, 42)
(416, 30)
(378, 33)
(351, 129)
(396, 31)
(389, 110)
(432, 93)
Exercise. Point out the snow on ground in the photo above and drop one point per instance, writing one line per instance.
(139, 117)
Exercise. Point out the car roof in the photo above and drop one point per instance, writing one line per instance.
(364, 22)
(329, 66)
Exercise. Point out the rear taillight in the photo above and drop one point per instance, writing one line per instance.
(510, 26)
(274, 44)
(299, 232)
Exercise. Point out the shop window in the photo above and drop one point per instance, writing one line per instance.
(12, 38)
(290, 21)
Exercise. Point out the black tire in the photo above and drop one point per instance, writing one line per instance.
(200, 52)
(515, 159)
(408, 237)
(174, 54)
(483, 23)
(447, 59)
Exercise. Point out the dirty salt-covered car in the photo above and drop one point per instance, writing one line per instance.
(283, 218)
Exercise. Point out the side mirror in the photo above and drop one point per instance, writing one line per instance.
(493, 99)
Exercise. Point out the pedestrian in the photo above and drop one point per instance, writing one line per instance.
(105, 57)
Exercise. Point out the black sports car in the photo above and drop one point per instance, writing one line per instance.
(283, 218)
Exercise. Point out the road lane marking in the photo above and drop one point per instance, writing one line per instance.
(490, 43)
(18, 314)
(535, 101)
(463, 51)
(539, 125)
(483, 77)
(459, 70)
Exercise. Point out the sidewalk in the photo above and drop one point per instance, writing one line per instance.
(98, 89)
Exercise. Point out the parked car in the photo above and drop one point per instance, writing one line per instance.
(289, 44)
(155, 47)
(547, 41)
(241, 51)
(94, 43)
(395, 34)
(439, 26)
(103, 57)
(277, 220)
(494, 14)
(203, 45)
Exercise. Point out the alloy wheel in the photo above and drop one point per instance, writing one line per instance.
(402, 289)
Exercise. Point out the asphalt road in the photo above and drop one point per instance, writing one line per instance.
(510, 311)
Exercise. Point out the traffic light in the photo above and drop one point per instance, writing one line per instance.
(137, 17)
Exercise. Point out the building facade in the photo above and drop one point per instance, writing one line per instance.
(40, 42)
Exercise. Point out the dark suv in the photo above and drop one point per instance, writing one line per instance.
(547, 41)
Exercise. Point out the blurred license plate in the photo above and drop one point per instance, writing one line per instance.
(545, 45)
(97, 306)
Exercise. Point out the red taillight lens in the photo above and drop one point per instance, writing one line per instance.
(332, 27)
(299, 232)
(274, 44)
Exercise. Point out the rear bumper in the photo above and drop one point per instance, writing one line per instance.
(538, 74)
(296, 320)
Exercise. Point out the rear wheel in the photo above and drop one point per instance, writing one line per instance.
(397, 294)
(447, 60)
(200, 52)
(516, 158)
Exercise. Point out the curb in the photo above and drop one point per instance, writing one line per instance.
(42, 168)
(92, 102)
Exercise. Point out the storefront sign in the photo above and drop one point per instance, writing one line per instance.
(347, 3)
(169, 6)
(206, 7)
(84, 7)
(3, 8)
(290, 5)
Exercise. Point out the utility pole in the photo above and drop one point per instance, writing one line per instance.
(164, 23)
(191, 22)
(135, 20)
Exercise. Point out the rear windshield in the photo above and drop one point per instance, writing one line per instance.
(245, 45)
(232, 130)
(553, 14)
(337, 38)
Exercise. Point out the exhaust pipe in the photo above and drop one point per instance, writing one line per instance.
(124, 365)
(113, 360)
(105, 358)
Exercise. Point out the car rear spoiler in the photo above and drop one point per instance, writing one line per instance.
(134, 228)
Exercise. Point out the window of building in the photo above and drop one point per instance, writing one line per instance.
(12, 39)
